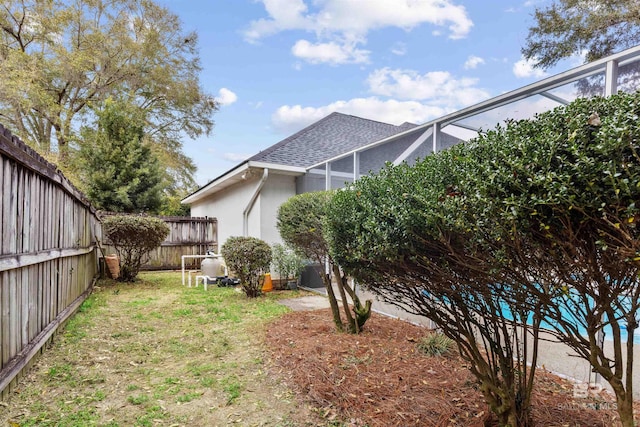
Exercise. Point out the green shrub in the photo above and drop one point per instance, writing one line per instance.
(530, 220)
(301, 222)
(287, 264)
(436, 344)
(133, 238)
(249, 258)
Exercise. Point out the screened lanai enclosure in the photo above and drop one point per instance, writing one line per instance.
(616, 73)
(608, 76)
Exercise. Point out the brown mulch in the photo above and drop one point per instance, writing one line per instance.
(380, 378)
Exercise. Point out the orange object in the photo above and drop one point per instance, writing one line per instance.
(113, 265)
(268, 284)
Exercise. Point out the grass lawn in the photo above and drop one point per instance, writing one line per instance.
(155, 353)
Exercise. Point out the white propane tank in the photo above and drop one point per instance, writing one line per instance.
(212, 267)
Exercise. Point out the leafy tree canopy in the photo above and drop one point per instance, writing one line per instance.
(300, 222)
(60, 58)
(596, 27)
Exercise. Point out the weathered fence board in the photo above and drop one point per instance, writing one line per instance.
(187, 236)
(48, 260)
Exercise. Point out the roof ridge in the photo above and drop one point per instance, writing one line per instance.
(294, 136)
(364, 118)
(312, 126)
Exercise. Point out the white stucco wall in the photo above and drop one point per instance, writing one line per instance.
(276, 191)
(228, 205)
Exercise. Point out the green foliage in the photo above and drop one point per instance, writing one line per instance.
(404, 236)
(571, 200)
(567, 27)
(249, 258)
(301, 222)
(119, 171)
(133, 238)
(81, 52)
(286, 262)
(530, 220)
(171, 205)
(435, 345)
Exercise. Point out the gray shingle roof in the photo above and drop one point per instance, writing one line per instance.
(329, 137)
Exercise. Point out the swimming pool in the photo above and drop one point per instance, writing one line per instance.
(569, 315)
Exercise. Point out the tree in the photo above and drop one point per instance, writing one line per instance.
(58, 58)
(133, 238)
(535, 221)
(249, 258)
(119, 171)
(403, 235)
(301, 224)
(568, 27)
(568, 185)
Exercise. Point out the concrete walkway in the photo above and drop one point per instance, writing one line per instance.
(312, 302)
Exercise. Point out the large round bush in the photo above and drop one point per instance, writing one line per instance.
(133, 238)
(249, 258)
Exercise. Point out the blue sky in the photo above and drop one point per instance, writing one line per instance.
(277, 66)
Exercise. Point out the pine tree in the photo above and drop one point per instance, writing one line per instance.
(120, 173)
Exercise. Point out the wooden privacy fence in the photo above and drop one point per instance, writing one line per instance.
(187, 236)
(48, 261)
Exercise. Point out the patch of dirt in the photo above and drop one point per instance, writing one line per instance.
(380, 378)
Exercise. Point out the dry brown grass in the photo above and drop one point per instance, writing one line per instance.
(155, 353)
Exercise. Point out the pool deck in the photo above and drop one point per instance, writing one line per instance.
(554, 357)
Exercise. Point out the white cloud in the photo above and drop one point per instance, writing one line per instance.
(473, 62)
(419, 98)
(399, 49)
(226, 97)
(524, 69)
(437, 87)
(341, 25)
(352, 17)
(332, 53)
(235, 157)
(291, 118)
(284, 14)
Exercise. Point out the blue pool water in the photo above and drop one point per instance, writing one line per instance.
(566, 314)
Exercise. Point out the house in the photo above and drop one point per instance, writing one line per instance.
(245, 199)
(340, 148)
